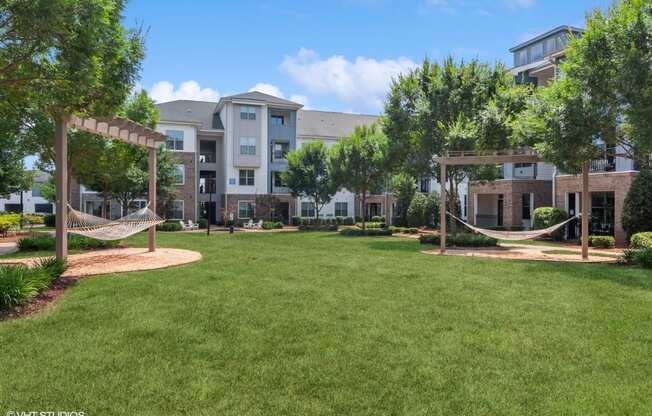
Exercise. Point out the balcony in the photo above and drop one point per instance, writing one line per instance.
(603, 165)
(280, 131)
(207, 151)
(525, 172)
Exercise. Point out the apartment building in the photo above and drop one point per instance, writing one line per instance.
(509, 202)
(231, 155)
(30, 201)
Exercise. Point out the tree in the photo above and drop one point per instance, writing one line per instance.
(308, 174)
(403, 187)
(13, 175)
(604, 99)
(637, 210)
(453, 106)
(422, 210)
(359, 162)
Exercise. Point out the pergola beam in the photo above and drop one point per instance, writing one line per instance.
(118, 128)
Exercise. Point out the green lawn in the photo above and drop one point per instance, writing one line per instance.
(315, 323)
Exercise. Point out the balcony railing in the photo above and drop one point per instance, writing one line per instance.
(280, 131)
(207, 158)
(603, 165)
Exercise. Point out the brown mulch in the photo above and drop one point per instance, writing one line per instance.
(42, 301)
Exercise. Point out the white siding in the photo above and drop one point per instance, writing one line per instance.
(189, 135)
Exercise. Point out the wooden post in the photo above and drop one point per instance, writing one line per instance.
(585, 210)
(152, 195)
(61, 184)
(442, 208)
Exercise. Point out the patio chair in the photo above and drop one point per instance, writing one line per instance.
(258, 225)
(249, 224)
(192, 225)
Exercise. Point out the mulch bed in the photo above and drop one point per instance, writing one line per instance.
(41, 301)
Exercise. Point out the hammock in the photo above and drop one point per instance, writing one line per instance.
(514, 235)
(103, 229)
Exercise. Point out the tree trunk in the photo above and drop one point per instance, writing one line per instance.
(364, 206)
(316, 208)
(104, 208)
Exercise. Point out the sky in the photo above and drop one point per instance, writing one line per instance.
(336, 55)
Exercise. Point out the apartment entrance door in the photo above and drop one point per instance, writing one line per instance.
(499, 211)
(282, 212)
(573, 207)
(209, 210)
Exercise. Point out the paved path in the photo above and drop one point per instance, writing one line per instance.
(8, 248)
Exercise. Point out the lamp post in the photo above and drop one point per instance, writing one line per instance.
(210, 188)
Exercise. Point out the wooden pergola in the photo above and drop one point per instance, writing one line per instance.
(111, 128)
(526, 155)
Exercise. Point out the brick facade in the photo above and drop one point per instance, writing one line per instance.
(266, 206)
(187, 192)
(512, 191)
(616, 182)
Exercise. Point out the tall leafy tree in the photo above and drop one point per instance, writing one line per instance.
(359, 162)
(604, 98)
(446, 107)
(13, 149)
(403, 187)
(308, 174)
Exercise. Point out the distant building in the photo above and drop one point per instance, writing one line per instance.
(32, 200)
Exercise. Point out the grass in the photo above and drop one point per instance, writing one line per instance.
(318, 324)
(575, 252)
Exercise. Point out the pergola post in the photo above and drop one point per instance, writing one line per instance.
(61, 185)
(442, 208)
(152, 195)
(585, 210)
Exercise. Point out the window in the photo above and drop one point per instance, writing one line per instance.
(550, 45)
(12, 207)
(94, 208)
(526, 212)
(341, 209)
(248, 146)
(278, 180)
(536, 52)
(43, 208)
(276, 120)
(176, 213)
(521, 57)
(247, 112)
(307, 209)
(136, 205)
(246, 177)
(180, 175)
(174, 140)
(280, 151)
(36, 190)
(246, 209)
(424, 185)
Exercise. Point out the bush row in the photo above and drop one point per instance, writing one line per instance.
(169, 226)
(318, 227)
(640, 257)
(357, 232)
(600, 241)
(372, 224)
(18, 284)
(322, 221)
(460, 240)
(272, 225)
(403, 230)
(75, 242)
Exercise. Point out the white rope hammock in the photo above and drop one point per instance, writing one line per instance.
(514, 235)
(102, 229)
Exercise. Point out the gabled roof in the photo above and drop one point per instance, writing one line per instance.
(558, 29)
(188, 111)
(316, 124)
(260, 97)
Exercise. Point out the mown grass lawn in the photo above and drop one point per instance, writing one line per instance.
(312, 324)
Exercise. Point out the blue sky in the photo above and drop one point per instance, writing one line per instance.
(332, 54)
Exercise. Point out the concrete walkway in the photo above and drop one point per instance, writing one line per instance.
(8, 248)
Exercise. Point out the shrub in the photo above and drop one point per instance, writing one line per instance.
(404, 230)
(460, 240)
(271, 225)
(422, 210)
(601, 241)
(344, 220)
(8, 221)
(378, 218)
(75, 242)
(169, 226)
(373, 225)
(18, 284)
(545, 217)
(641, 240)
(637, 210)
(295, 221)
(641, 257)
(203, 223)
(357, 232)
(50, 220)
(318, 227)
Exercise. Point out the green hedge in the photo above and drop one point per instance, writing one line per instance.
(641, 240)
(404, 230)
(50, 220)
(371, 232)
(169, 226)
(271, 225)
(378, 218)
(600, 241)
(75, 242)
(18, 284)
(372, 225)
(641, 257)
(545, 217)
(460, 240)
(318, 227)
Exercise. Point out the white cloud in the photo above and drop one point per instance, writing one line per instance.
(164, 91)
(267, 89)
(301, 99)
(363, 81)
